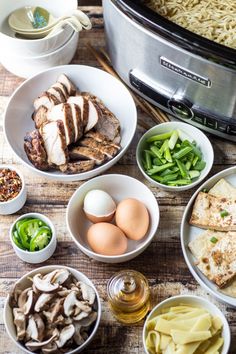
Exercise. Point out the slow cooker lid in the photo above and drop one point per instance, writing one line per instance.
(176, 34)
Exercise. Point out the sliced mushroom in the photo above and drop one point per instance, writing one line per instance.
(64, 292)
(51, 348)
(66, 334)
(80, 316)
(87, 321)
(34, 346)
(23, 298)
(54, 311)
(26, 300)
(42, 301)
(88, 292)
(35, 328)
(60, 276)
(44, 284)
(20, 323)
(71, 302)
(77, 335)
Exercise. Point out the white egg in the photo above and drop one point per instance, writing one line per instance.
(99, 206)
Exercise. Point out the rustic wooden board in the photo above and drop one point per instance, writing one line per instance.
(162, 262)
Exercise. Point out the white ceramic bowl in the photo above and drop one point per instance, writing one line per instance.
(37, 256)
(111, 91)
(28, 66)
(119, 187)
(25, 47)
(196, 301)
(24, 282)
(202, 141)
(13, 205)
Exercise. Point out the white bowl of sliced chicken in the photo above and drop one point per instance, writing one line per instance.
(70, 122)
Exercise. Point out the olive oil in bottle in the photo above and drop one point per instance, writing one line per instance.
(129, 296)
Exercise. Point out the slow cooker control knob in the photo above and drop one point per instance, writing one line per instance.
(181, 108)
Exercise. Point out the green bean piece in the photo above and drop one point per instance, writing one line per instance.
(182, 169)
(168, 155)
(163, 147)
(180, 182)
(157, 162)
(159, 168)
(195, 160)
(200, 165)
(170, 177)
(159, 137)
(181, 153)
(188, 165)
(173, 139)
(155, 151)
(194, 174)
(148, 160)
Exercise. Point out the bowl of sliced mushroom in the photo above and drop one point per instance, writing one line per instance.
(52, 309)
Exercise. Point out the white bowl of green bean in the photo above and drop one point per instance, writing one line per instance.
(174, 156)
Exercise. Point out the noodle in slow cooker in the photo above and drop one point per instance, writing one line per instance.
(213, 19)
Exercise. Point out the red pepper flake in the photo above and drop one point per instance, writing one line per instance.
(10, 184)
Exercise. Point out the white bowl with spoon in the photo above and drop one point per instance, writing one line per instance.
(33, 47)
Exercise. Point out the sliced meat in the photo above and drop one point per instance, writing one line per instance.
(86, 153)
(106, 149)
(71, 88)
(84, 107)
(57, 92)
(53, 134)
(108, 124)
(63, 112)
(78, 167)
(47, 100)
(100, 138)
(35, 150)
(93, 116)
(62, 89)
(78, 123)
(40, 116)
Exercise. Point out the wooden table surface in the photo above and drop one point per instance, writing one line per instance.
(162, 263)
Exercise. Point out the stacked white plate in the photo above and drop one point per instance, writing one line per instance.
(27, 57)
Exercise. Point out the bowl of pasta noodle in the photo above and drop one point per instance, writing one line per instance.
(186, 324)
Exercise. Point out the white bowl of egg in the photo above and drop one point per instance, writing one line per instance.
(186, 324)
(112, 218)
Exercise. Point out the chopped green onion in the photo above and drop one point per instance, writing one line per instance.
(194, 174)
(159, 168)
(195, 160)
(173, 139)
(181, 153)
(159, 137)
(148, 159)
(182, 169)
(168, 155)
(214, 239)
(155, 151)
(163, 147)
(200, 165)
(224, 213)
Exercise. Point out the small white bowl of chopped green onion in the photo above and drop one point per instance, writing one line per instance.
(174, 156)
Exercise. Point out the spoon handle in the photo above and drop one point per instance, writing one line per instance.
(83, 18)
(75, 24)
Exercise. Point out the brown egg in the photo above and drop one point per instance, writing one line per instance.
(132, 218)
(107, 239)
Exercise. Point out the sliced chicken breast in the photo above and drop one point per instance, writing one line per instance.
(35, 150)
(78, 167)
(100, 138)
(71, 88)
(93, 117)
(63, 112)
(46, 100)
(62, 89)
(40, 116)
(86, 153)
(108, 124)
(55, 91)
(108, 150)
(84, 107)
(77, 119)
(53, 134)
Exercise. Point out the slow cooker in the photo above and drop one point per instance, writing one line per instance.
(184, 74)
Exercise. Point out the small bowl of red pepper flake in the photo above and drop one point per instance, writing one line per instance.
(12, 190)
(33, 237)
